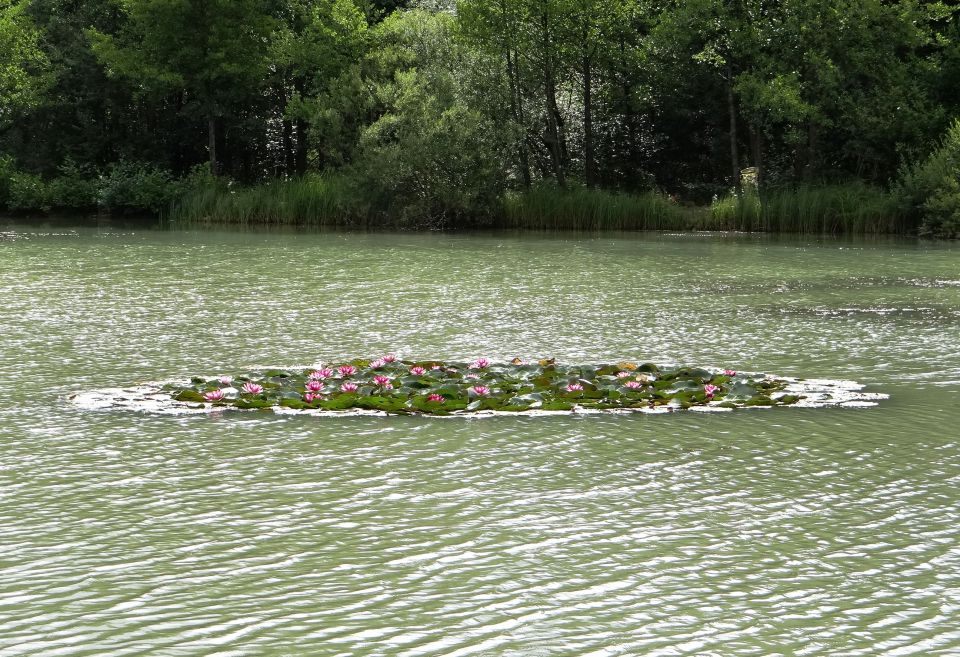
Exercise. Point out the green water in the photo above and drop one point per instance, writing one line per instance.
(764, 532)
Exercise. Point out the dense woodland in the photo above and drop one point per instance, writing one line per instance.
(448, 114)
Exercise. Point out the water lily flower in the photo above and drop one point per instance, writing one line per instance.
(387, 386)
(480, 391)
(319, 374)
(225, 380)
(377, 364)
(309, 397)
(349, 387)
(434, 397)
(710, 389)
(623, 375)
(471, 377)
(252, 388)
(389, 358)
(633, 385)
(213, 395)
(417, 371)
(314, 386)
(347, 370)
(574, 387)
(436, 367)
(382, 380)
(729, 372)
(480, 364)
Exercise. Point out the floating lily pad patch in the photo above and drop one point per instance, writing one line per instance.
(394, 386)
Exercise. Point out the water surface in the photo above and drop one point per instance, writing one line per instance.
(763, 532)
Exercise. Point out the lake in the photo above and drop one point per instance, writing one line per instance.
(755, 532)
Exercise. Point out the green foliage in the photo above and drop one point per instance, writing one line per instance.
(22, 63)
(430, 159)
(28, 191)
(136, 187)
(929, 190)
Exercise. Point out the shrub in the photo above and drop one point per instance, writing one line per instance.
(28, 192)
(929, 191)
(137, 187)
(76, 187)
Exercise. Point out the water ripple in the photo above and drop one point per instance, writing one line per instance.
(805, 532)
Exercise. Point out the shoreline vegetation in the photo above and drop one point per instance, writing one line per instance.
(333, 201)
(833, 117)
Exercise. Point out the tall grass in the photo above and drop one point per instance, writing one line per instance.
(854, 208)
(550, 208)
(313, 200)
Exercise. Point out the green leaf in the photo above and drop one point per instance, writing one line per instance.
(189, 396)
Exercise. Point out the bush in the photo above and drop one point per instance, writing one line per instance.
(137, 187)
(28, 192)
(75, 188)
(929, 191)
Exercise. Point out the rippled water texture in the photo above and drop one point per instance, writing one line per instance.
(773, 532)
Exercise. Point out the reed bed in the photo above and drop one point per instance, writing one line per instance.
(313, 200)
(547, 208)
(855, 209)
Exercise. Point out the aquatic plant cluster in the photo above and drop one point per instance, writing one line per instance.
(432, 387)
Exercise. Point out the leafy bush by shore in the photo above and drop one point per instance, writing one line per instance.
(929, 191)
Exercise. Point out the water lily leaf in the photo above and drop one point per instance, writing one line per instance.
(189, 396)
(252, 403)
(556, 405)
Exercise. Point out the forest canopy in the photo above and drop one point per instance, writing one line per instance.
(438, 110)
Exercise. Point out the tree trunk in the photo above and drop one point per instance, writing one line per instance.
(516, 110)
(554, 134)
(732, 111)
(588, 163)
(212, 144)
(301, 134)
(756, 148)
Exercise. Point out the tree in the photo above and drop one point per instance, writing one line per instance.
(213, 54)
(22, 63)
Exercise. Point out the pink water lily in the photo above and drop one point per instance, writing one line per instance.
(314, 385)
(434, 397)
(325, 373)
(347, 370)
(633, 385)
(377, 364)
(729, 372)
(318, 374)
(382, 380)
(213, 395)
(711, 389)
(252, 388)
(349, 387)
(225, 380)
(417, 371)
(480, 364)
(310, 397)
(480, 391)
(436, 367)
(574, 387)
(389, 358)
(624, 375)
(471, 377)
